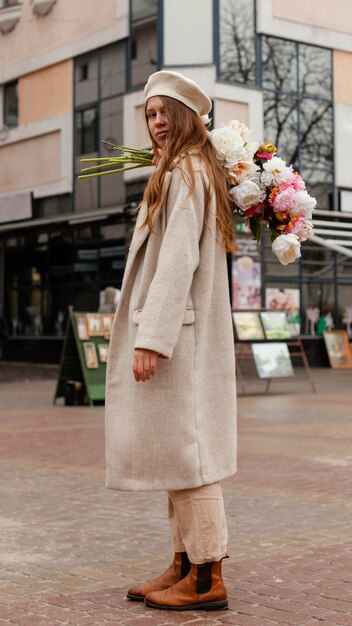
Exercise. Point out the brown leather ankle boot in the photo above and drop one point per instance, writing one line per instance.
(178, 569)
(203, 589)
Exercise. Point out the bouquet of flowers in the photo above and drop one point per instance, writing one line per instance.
(263, 189)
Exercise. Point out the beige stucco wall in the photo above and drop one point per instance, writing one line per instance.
(342, 76)
(55, 36)
(46, 93)
(226, 110)
(321, 13)
(29, 163)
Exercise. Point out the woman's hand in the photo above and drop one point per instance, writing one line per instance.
(144, 364)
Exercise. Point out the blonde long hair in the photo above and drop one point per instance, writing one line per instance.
(188, 134)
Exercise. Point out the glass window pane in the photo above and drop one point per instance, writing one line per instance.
(86, 79)
(144, 62)
(279, 64)
(316, 130)
(86, 190)
(319, 184)
(113, 70)
(111, 185)
(237, 42)
(345, 201)
(86, 131)
(142, 9)
(315, 71)
(281, 125)
(317, 262)
(11, 104)
(344, 270)
(89, 130)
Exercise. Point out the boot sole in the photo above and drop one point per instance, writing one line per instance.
(220, 605)
(135, 598)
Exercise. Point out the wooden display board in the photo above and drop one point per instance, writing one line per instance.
(84, 356)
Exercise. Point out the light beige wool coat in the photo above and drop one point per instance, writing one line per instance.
(178, 430)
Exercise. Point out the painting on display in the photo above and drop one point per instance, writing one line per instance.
(285, 300)
(248, 326)
(246, 272)
(82, 327)
(94, 324)
(338, 348)
(276, 325)
(107, 320)
(103, 350)
(272, 360)
(90, 355)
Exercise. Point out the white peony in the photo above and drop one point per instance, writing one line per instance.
(250, 146)
(276, 172)
(244, 170)
(228, 144)
(303, 204)
(246, 195)
(287, 248)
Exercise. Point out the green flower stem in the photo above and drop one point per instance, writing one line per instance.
(123, 169)
(117, 162)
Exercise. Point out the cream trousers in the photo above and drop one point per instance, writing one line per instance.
(198, 523)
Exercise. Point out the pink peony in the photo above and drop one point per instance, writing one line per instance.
(284, 200)
(264, 155)
(300, 227)
(298, 182)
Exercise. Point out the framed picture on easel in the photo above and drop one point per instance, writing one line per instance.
(248, 326)
(338, 348)
(272, 360)
(276, 325)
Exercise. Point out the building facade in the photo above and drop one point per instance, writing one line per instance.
(72, 76)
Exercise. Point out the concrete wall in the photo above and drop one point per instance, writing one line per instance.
(46, 93)
(342, 76)
(317, 13)
(318, 22)
(31, 162)
(72, 27)
(343, 117)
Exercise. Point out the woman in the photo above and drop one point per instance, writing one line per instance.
(170, 409)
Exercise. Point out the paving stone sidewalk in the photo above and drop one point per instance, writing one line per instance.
(69, 549)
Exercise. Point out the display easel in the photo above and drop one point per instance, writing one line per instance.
(244, 352)
(73, 367)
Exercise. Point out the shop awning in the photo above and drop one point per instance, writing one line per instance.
(70, 218)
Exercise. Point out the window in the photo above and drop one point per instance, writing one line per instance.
(86, 130)
(100, 82)
(83, 72)
(298, 111)
(237, 41)
(11, 104)
(142, 9)
(143, 52)
(345, 200)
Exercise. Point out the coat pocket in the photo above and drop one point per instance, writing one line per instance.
(189, 316)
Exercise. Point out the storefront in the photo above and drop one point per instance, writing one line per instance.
(48, 266)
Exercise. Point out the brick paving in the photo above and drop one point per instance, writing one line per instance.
(69, 549)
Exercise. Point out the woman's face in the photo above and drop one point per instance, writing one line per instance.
(158, 122)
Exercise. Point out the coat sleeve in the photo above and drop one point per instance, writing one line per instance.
(164, 309)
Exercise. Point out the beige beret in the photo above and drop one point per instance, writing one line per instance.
(180, 88)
